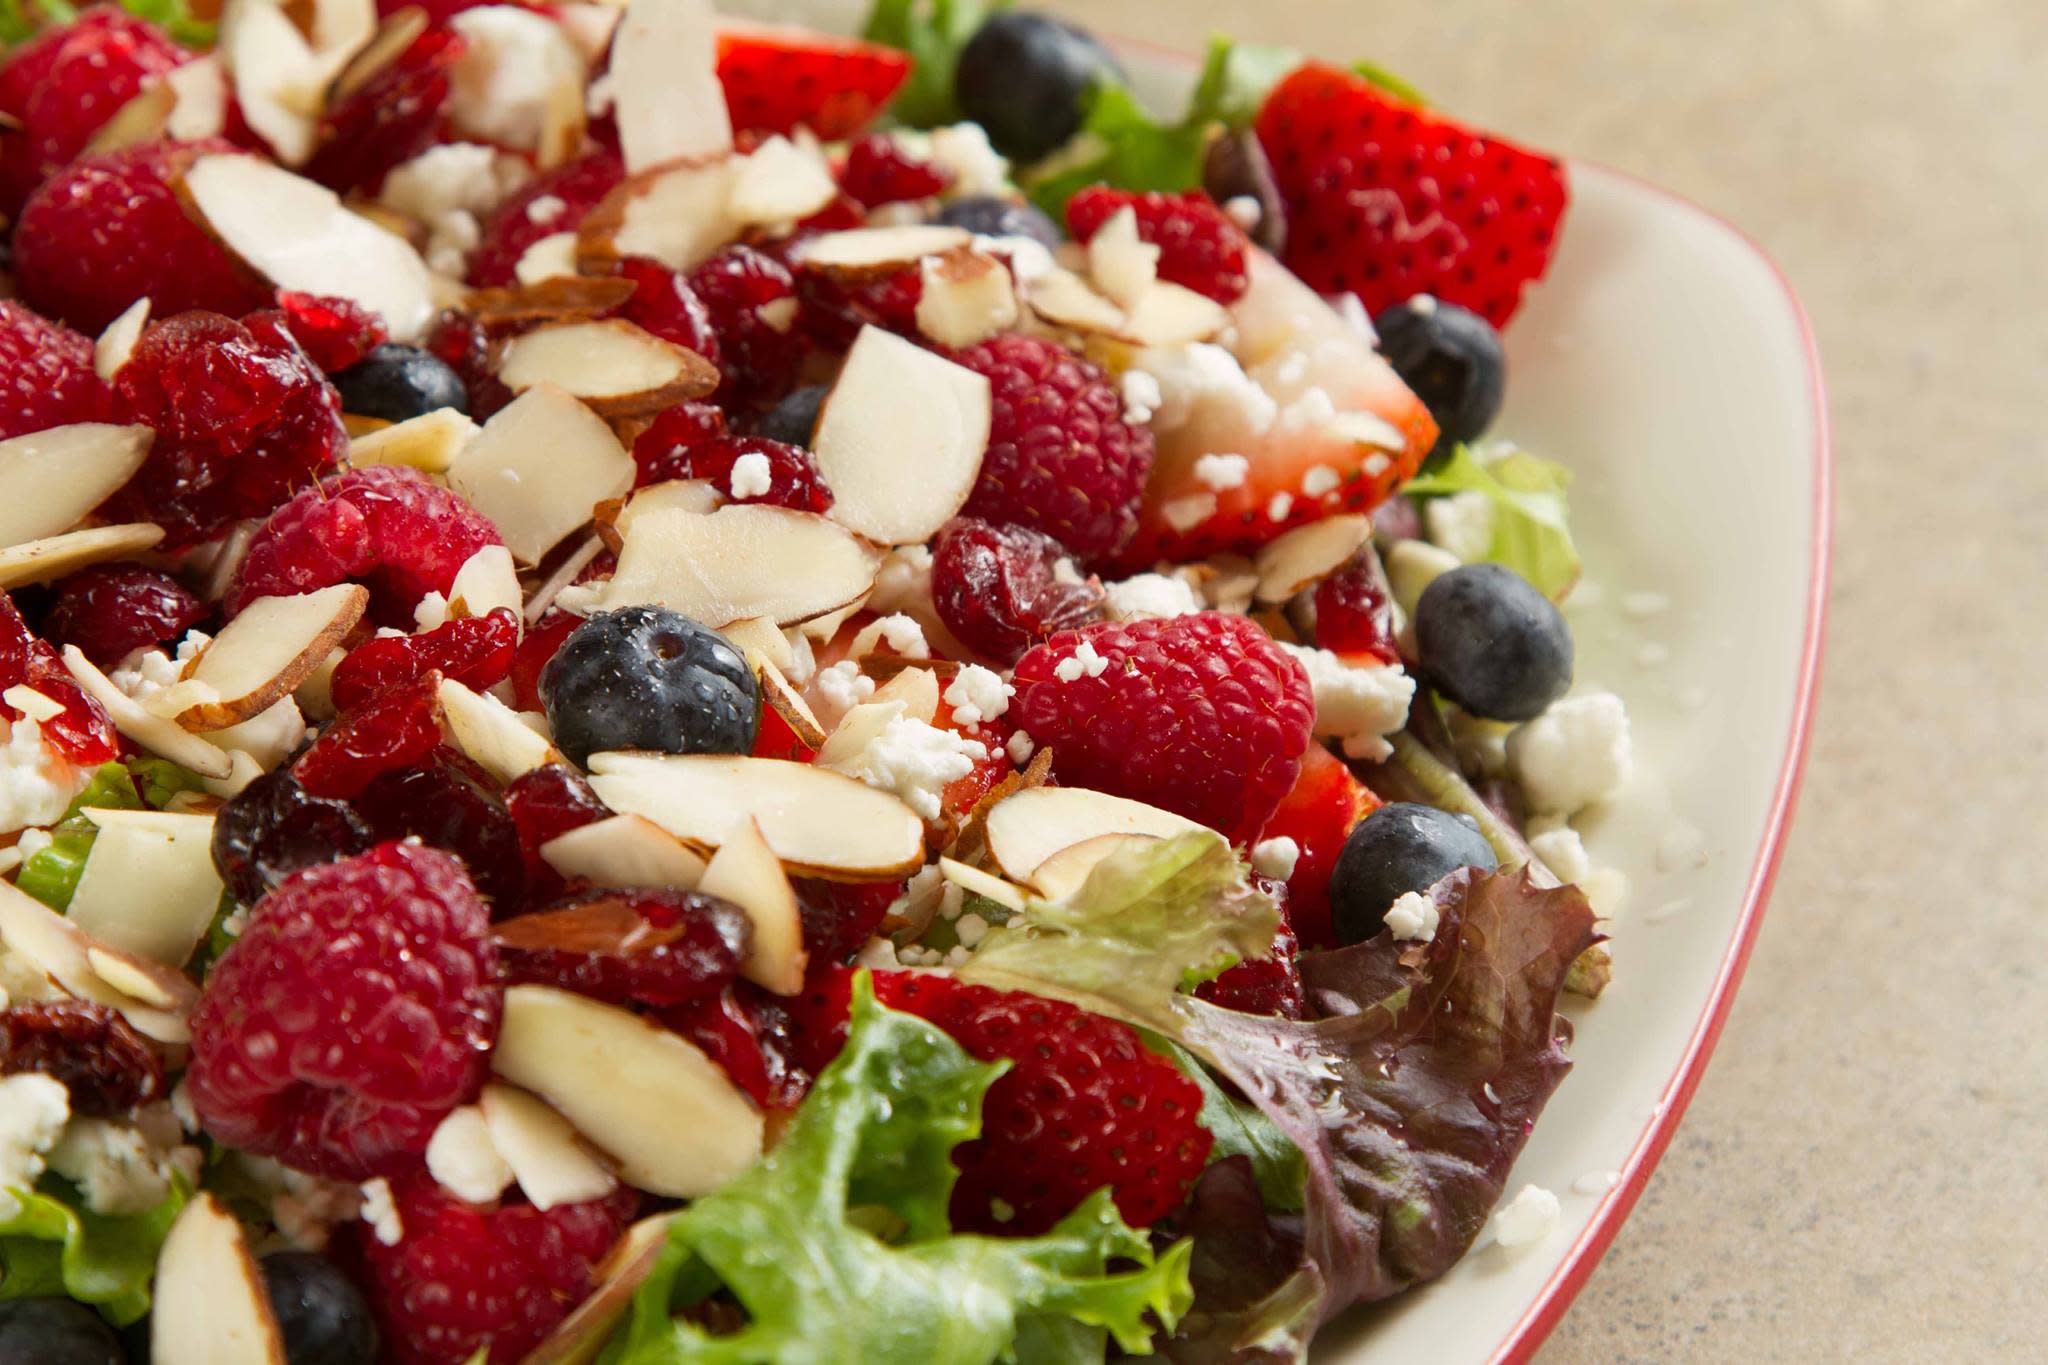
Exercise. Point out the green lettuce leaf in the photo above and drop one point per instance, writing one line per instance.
(932, 32)
(51, 876)
(19, 19)
(53, 1246)
(1531, 527)
(793, 1240)
(1241, 1129)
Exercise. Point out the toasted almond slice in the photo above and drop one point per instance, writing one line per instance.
(148, 886)
(625, 850)
(665, 88)
(917, 689)
(559, 299)
(265, 53)
(50, 479)
(552, 257)
(158, 734)
(111, 351)
(967, 297)
(62, 951)
(783, 698)
(343, 25)
(976, 882)
(1027, 828)
(1291, 561)
(820, 823)
(1170, 315)
(485, 583)
(780, 183)
(1064, 299)
(201, 110)
(760, 640)
(1121, 264)
(537, 468)
(1066, 871)
(678, 214)
(686, 495)
(492, 734)
(741, 560)
(272, 646)
(32, 703)
(549, 1162)
(900, 439)
(142, 119)
(573, 563)
(126, 975)
(746, 872)
(394, 35)
(619, 369)
(858, 254)
(212, 1307)
(429, 442)
(43, 561)
(857, 729)
(823, 629)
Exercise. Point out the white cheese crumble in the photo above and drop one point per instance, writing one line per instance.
(36, 782)
(1280, 506)
(902, 634)
(1222, 472)
(1244, 211)
(750, 475)
(464, 1161)
(380, 1211)
(117, 1170)
(1151, 594)
(1360, 706)
(1461, 524)
(1185, 514)
(972, 929)
(977, 694)
(1275, 858)
(1526, 1219)
(514, 65)
(1561, 850)
(1083, 661)
(1141, 396)
(450, 190)
(33, 1109)
(1020, 748)
(1202, 381)
(1319, 480)
(543, 209)
(1413, 916)
(1572, 755)
(914, 761)
(837, 690)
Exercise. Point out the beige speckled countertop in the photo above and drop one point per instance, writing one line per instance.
(1864, 1174)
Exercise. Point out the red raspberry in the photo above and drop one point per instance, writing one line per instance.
(1202, 715)
(475, 651)
(27, 67)
(83, 733)
(108, 1068)
(386, 526)
(1200, 248)
(46, 374)
(243, 420)
(90, 68)
(543, 638)
(996, 588)
(111, 610)
(106, 230)
(469, 1276)
(748, 1033)
(878, 172)
(388, 119)
(662, 451)
(545, 804)
(1268, 985)
(357, 1010)
(396, 730)
(335, 333)
(752, 299)
(663, 303)
(793, 479)
(1086, 1103)
(1061, 459)
(514, 226)
(640, 945)
(834, 312)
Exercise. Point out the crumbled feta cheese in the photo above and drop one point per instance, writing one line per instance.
(902, 634)
(1360, 706)
(1151, 594)
(1413, 916)
(464, 1161)
(1244, 211)
(1312, 411)
(1222, 472)
(1202, 381)
(837, 690)
(267, 737)
(1275, 858)
(1526, 1219)
(1564, 853)
(952, 900)
(33, 1110)
(878, 955)
(116, 1169)
(972, 929)
(430, 612)
(515, 65)
(1141, 396)
(380, 1211)
(36, 782)
(33, 841)
(977, 694)
(803, 660)
(1319, 480)
(543, 209)
(914, 761)
(1572, 755)
(1461, 524)
(1083, 661)
(1063, 571)
(1279, 507)
(1020, 748)
(1185, 514)
(750, 475)
(450, 190)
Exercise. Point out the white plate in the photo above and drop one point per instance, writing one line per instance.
(1667, 362)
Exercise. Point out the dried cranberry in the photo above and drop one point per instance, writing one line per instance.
(628, 945)
(475, 651)
(447, 801)
(749, 1034)
(996, 589)
(460, 341)
(878, 171)
(543, 638)
(390, 118)
(663, 303)
(752, 300)
(840, 917)
(111, 610)
(793, 479)
(82, 731)
(335, 332)
(273, 827)
(545, 804)
(662, 452)
(1355, 610)
(105, 1064)
(391, 732)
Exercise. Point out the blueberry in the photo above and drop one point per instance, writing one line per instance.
(794, 419)
(323, 1318)
(1493, 644)
(396, 382)
(648, 678)
(987, 215)
(1025, 77)
(1452, 358)
(1397, 849)
(56, 1332)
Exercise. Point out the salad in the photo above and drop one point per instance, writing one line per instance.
(680, 691)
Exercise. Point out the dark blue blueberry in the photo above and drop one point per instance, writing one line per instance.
(1452, 358)
(1397, 849)
(794, 419)
(986, 215)
(323, 1319)
(648, 678)
(56, 1332)
(397, 382)
(1485, 638)
(1025, 78)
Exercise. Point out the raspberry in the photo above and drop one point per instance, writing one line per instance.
(1061, 459)
(357, 1010)
(834, 312)
(748, 1033)
(468, 1276)
(461, 343)
(243, 420)
(396, 730)
(82, 732)
(447, 802)
(106, 230)
(111, 610)
(759, 342)
(545, 804)
(1202, 715)
(385, 526)
(475, 651)
(663, 303)
(878, 172)
(96, 64)
(335, 333)
(46, 374)
(108, 1067)
(26, 68)
(662, 452)
(390, 118)
(515, 225)
(273, 827)
(1200, 248)
(1268, 985)
(793, 479)
(642, 945)
(996, 588)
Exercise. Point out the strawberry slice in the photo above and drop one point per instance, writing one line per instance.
(1317, 813)
(1340, 434)
(1387, 200)
(776, 78)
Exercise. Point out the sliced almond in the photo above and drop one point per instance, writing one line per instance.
(761, 640)
(429, 442)
(537, 468)
(265, 54)
(697, 496)
(549, 1162)
(145, 118)
(1291, 561)
(678, 214)
(1066, 871)
(1169, 315)
(666, 93)
(558, 299)
(519, 83)
(342, 25)
(1027, 828)
(127, 975)
(46, 560)
(50, 479)
(492, 734)
(978, 883)
(111, 351)
(1122, 265)
(201, 109)
(211, 1304)
(148, 886)
(858, 728)
(1064, 299)
(272, 646)
(820, 823)
(625, 850)
(573, 564)
(552, 257)
(782, 697)
(158, 734)
(781, 182)
(62, 951)
(619, 369)
(485, 583)
(746, 872)
(741, 560)
(394, 35)
(900, 438)
(865, 253)
(967, 297)
(917, 689)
